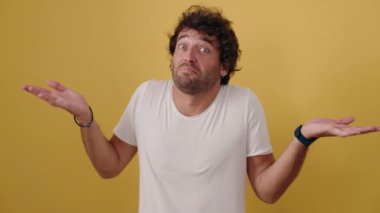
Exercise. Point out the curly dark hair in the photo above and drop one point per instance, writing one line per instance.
(211, 22)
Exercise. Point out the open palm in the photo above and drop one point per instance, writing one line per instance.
(323, 127)
(61, 97)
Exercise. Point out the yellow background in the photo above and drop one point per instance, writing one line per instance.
(304, 59)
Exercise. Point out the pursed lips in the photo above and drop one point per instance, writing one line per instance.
(188, 68)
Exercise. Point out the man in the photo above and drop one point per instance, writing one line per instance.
(196, 135)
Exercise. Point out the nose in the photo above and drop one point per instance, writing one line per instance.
(189, 55)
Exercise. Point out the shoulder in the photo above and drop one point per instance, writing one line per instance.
(153, 86)
(241, 98)
(239, 93)
(152, 92)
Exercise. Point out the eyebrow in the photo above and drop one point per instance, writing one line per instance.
(203, 38)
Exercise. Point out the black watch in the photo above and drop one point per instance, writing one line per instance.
(305, 141)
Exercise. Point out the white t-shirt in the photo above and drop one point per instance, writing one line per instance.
(193, 164)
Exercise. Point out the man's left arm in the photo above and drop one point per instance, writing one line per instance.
(270, 179)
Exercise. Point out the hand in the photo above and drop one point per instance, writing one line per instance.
(323, 127)
(62, 97)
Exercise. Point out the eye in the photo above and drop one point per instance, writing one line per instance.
(204, 50)
(181, 46)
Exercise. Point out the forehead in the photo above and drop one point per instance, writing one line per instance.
(194, 34)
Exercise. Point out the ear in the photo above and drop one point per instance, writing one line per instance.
(223, 70)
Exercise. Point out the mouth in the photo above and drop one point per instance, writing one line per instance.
(188, 68)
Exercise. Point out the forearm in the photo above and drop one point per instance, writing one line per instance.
(102, 153)
(273, 181)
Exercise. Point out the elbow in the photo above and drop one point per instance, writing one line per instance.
(270, 198)
(107, 170)
(270, 195)
(106, 174)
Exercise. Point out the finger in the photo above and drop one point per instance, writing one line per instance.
(56, 85)
(35, 90)
(42, 93)
(342, 132)
(48, 97)
(368, 129)
(349, 131)
(25, 87)
(346, 120)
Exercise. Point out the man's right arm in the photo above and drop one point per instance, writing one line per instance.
(108, 157)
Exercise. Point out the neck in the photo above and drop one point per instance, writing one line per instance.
(194, 104)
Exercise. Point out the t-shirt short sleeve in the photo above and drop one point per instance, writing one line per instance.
(125, 128)
(258, 136)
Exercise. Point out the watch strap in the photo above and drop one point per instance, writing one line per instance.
(301, 138)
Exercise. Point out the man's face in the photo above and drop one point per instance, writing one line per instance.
(196, 65)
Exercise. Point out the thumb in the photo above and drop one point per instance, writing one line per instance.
(56, 85)
(346, 120)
